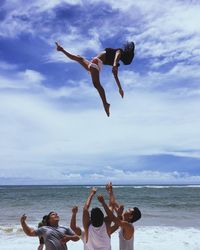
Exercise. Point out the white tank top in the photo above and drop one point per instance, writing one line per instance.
(125, 244)
(98, 238)
(82, 237)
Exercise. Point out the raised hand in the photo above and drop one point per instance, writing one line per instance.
(23, 218)
(100, 198)
(109, 187)
(75, 210)
(120, 210)
(93, 190)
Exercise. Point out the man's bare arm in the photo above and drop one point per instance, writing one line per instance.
(86, 216)
(109, 213)
(112, 200)
(27, 230)
(73, 225)
(126, 227)
(113, 228)
(89, 199)
(67, 238)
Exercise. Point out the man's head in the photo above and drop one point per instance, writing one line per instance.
(132, 214)
(97, 217)
(52, 219)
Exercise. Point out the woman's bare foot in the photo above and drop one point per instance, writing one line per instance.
(107, 109)
(59, 48)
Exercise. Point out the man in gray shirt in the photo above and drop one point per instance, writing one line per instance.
(54, 235)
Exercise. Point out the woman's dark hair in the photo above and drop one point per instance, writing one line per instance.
(97, 217)
(44, 220)
(48, 218)
(136, 215)
(128, 53)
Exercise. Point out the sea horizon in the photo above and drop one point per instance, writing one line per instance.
(114, 185)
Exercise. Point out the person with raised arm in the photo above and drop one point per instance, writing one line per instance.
(125, 221)
(97, 228)
(109, 56)
(77, 230)
(55, 236)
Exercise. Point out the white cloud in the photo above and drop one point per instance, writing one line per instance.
(22, 15)
(28, 79)
(171, 31)
(43, 128)
(36, 131)
(116, 176)
(31, 76)
(51, 129)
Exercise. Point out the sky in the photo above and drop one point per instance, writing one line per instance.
(52, 124)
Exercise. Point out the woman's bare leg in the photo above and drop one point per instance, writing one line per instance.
(95, 79)
(94, 74)
(73, 57)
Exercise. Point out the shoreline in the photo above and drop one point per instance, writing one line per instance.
(150, 238)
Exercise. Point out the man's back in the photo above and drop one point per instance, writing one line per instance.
(98, 238)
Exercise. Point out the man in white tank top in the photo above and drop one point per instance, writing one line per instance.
(77, 230)
(97, 229)
(125, 221)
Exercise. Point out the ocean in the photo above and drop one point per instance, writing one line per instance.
(170, 214)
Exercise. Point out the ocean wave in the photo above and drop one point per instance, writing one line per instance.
(166, 186)
(146, 186)
(103, 186)
(10, 230)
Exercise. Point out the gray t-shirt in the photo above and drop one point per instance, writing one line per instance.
(52, 236)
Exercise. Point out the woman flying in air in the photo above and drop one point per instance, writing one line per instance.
(109, 56)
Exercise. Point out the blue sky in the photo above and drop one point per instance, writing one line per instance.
(53, 127)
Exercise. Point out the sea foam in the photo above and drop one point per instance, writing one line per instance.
(148, 238)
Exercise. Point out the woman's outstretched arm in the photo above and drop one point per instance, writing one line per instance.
(115, 71)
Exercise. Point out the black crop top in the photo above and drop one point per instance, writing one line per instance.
(110, 56)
